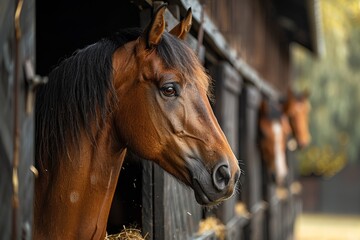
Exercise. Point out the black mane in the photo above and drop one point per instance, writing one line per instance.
(80, 91)
(77, 93)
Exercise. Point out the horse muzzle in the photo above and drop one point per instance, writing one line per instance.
(212, 187)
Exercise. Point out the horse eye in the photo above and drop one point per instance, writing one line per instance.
(169, 90)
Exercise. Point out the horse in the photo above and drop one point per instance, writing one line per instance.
(142, 90)
(296, 108)
(273, 132)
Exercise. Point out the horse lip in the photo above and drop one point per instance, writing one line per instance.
(200, 194)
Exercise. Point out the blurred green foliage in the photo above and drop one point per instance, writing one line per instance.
(334, 84)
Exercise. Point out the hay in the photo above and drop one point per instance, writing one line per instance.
(241, 210)
(212, 224)
(282, 193)
(296, 188)
(127, 234)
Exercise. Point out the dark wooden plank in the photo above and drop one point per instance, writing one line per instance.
(274, 218)
(257, 221)
(228, 85)
(147, 199)
(235, 227)
(182, 213)
(27, 125)
(7, 71)
(16, 223)
(252, 189)
(5, 193)
(248, 147)
(176, 213)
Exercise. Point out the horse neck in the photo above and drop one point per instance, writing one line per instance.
(73, 201)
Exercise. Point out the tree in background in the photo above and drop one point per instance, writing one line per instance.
(334, 84)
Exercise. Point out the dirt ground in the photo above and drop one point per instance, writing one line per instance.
(327, 227)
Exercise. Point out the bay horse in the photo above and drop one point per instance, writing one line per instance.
(142, 90)
(296, 108)
(273, 132)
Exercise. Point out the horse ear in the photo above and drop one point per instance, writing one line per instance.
(156, 28)
(183, 27)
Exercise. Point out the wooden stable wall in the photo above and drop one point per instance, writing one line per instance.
(252, 29)
(266, 51)
(252, 192)
(17, 59)
(228, 88)
(147, 197)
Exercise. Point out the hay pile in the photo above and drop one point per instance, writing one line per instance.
(241, 210)
(282, 193)
(127, 234)
(212, 224)
(296, 188)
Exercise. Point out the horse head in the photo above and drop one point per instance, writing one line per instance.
(297, 108)
(272, 139)
(164, 114)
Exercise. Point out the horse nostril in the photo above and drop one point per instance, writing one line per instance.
(221, 176)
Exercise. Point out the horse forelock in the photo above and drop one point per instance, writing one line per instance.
(177, 55)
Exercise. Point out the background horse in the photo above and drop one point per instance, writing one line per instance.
(273, 132)
(144, 91)
(296, 108)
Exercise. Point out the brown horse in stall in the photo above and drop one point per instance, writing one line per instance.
(296, 108)
(273, 132)
(144, 91)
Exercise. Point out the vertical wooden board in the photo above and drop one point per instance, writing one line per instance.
(235, 228)
(5, 193)
(176, 213)
(7, 8)
(7, 71)
(228, 84)
(252, 192)
(257, 225)
(249, 148)
(147, 216)
(266, 184)
(274, 219)
(283, 218)
(26, 47)
(282, 212)
(182, 213)
(294, 200)
(293, 168)
(27, 124)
